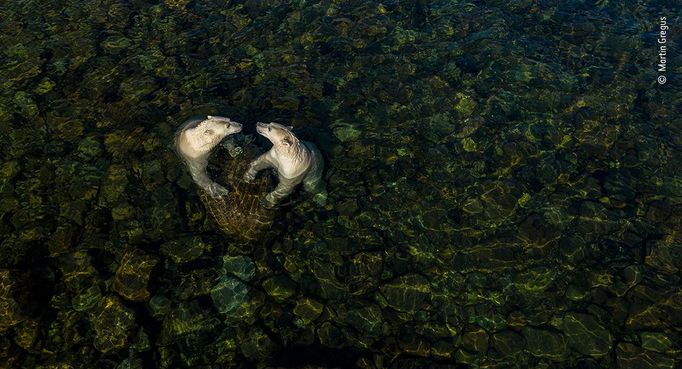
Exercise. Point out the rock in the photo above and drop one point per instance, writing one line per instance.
(159, 305)
(330, 335)
(544, 343)
(87, 300)
(665, 257)
(196, 283)
(77, 271)
(132, 275)
(348, 208)
(229, 294)
(257, 345)
(535, 280)
(629, 356)
(330, 286)
(113, 324)
(308, 309)
(89, 148)
(10, 309)
(367, 320)
(464, 105)
(476, 341)
(239, 266)
(187, 319)
(345, 132)
(184, 250)
(508, 343)
(279, 287)
(27, 334)
(586, 335)
(406, 293)
(365, 272)
(415, 346)
(657, 342)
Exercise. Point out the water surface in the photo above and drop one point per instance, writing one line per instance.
(504, 185)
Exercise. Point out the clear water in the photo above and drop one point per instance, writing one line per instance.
(504, 185)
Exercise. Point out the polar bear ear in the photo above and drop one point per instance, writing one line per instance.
(209, 117)
(209, 132)
(286, 142)
(291, 128)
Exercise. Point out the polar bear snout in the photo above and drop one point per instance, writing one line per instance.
(223, 126)
(234, 127)
(262, 128)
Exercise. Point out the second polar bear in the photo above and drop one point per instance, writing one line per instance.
(295, 160)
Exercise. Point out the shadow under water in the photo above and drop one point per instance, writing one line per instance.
(504, 185)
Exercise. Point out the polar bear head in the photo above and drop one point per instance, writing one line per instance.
(280, 135)
(206, 134)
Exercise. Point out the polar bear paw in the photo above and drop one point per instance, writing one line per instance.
(267, 204)
(217, 191)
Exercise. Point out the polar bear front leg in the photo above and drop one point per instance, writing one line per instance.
(214, 190)
(284, 188)
(198, 171)
(257, 165)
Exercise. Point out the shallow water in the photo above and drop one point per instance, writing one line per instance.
(504, 185)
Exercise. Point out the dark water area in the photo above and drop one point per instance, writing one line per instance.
(504, 180)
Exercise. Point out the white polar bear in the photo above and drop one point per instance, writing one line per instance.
(194, 142)
(295, 160)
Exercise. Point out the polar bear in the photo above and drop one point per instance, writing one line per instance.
(194, 142)
(295, 160)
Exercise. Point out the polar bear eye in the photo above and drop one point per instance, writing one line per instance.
(208, 132)
(269, 129)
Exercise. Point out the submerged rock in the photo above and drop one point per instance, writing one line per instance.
(476, 341)
(87, 300)
(658, 342)
(229, 294)
(159, 305)
(629, 356)
(113, 323)
(406, 293)
(367, 320)
(308, 309)
(184, 250)
(280, 287)
(545, 343)
(132, 276)
(10, 309)
(586, 335)
(239, 266)
(508, 343)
